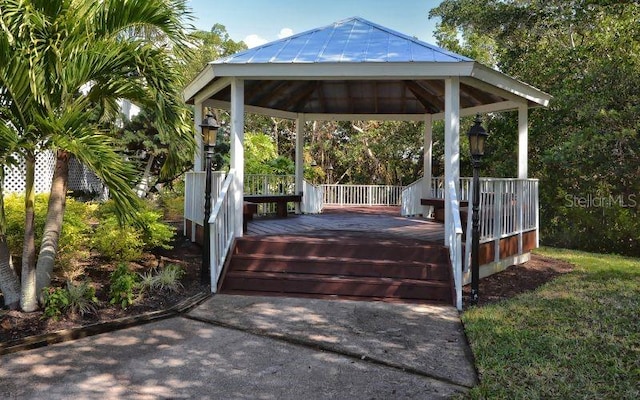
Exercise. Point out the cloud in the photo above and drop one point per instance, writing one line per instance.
(254, 40)
(285, 32)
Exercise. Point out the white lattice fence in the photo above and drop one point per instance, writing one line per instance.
(80, 177)
(14, 176)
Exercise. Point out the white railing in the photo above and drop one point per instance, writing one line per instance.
(514, 213)
(362, 195)
(507, 207)
(437, 188)
(311, 199)
(194, 194)
(454, 241)
(222, 225)
(265, 184)
(411, 196)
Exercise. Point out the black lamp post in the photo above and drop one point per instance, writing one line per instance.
(209, 128)
(477, 136)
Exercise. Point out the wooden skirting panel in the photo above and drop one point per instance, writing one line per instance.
(199, 231)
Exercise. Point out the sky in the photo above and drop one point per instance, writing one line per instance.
(260, 21)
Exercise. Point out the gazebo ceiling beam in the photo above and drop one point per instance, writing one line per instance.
(423, 96)
(301, 92)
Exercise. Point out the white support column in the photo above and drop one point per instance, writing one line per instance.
(237, 149)
(198, 162)
(427, 162)
(299, 157)
(451, 147)
(523, 141)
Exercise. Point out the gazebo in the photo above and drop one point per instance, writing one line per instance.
(357, 70)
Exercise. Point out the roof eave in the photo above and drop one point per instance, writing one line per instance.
(198, 83)
(503, 82)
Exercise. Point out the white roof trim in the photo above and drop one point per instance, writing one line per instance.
(511, 85)
(342, 71)
(211, 89)
(203, 79)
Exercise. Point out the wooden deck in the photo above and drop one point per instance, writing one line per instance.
(370, 221)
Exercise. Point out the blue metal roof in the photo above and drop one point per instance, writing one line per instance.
(353, 40)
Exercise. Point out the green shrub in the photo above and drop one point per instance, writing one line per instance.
(74, 238)
(155, 233)
(123, 283)
(115, 242)
(75, 299)
(126, 243)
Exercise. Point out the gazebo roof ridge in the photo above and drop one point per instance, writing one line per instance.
(341, 43)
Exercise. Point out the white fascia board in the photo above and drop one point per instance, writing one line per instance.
(511, 85)
(346, 71)
(211, 89)
(204, 77)
(225, 105)
(495, 107)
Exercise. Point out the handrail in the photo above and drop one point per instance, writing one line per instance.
(411, 196)
(455, 242)
(222, 225)
(312, 198)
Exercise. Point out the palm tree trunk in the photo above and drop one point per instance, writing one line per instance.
(53, 224)
(28, 297)
(9, 282)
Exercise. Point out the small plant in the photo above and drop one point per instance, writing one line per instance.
(82, 298)
(75, 299)
(56, 301)
(165, 279)
(123, 284)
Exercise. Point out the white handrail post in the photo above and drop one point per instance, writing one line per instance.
(452, 146)
(237, 149)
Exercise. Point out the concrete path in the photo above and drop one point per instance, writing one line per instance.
(237, 347)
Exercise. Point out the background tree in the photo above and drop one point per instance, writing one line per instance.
(584, 147)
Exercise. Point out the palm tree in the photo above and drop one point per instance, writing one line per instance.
(82, 58)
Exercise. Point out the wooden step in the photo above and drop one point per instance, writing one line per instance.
(337, 285)
(340, 266)
(368, 249)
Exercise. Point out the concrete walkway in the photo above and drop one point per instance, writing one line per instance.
(237, 347)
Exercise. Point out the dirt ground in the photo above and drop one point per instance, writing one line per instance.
(16, 325)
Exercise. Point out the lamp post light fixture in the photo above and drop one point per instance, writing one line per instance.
(209, 129)
(477, 136)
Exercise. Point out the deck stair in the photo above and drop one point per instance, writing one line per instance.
(340, 266)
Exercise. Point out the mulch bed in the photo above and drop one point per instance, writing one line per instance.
(518, 279)
(16, 325)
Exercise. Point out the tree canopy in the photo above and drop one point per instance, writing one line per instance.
(584, 147)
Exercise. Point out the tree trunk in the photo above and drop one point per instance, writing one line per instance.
(53, 224)
(9, 282)
(28, 297)
(142, 188)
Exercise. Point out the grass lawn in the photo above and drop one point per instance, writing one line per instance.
(576, 337)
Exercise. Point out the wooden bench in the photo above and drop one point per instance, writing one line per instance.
(438, 209)
(248, 209)
(280, 200)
